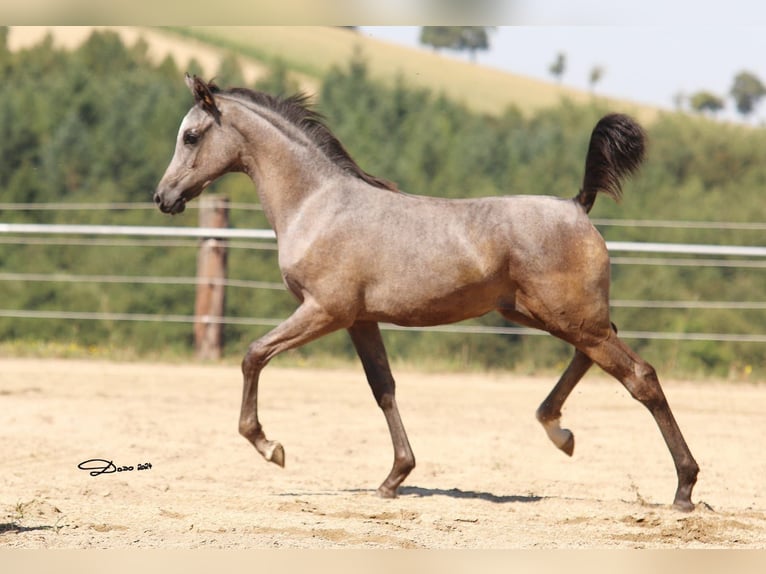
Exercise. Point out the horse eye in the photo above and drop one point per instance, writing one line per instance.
(191, 137)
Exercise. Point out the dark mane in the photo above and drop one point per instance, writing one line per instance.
(296, 110)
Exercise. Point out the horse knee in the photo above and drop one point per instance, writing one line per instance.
(255, 359)
(644, 385)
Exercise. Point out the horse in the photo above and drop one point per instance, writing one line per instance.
(356, 251)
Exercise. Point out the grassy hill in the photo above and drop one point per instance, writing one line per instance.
(311, 50)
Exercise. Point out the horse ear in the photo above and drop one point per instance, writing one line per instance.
(189, 81)
(203, 96)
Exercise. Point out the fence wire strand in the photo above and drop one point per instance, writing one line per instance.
(703, 256)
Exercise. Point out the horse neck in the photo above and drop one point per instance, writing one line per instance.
(284, 166)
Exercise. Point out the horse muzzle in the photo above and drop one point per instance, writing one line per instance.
(171, 201)
(169, 205)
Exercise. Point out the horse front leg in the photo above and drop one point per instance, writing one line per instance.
(369, 346)
(307, 323)
(549, 411)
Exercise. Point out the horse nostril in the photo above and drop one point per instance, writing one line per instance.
(157, 199)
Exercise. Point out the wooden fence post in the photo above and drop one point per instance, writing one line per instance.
(211, 274)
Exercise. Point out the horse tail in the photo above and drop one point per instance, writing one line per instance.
(616, 151)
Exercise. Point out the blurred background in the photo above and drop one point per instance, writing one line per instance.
(89, 116)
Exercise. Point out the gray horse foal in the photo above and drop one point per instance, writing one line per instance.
(355, 251)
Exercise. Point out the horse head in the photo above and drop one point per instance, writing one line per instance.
(205, 149)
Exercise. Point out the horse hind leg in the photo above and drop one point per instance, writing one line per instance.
(369, 346)
(549, 411)
(640, 379)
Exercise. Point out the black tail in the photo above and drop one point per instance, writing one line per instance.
(616, 150)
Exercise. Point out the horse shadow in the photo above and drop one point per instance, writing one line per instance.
(420, 492)
(417, 491)
(13, 528)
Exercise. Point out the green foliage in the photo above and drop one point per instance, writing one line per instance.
(99, 124)
(705, 101)
(595, 76)
(230, 72)
(747, 91)
(559, 66)
(470, 38)
(278, 80)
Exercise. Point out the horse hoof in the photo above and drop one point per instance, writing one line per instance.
(568, 446)
(562, 438)
(276, 454)
(386, 492)
(683, 505)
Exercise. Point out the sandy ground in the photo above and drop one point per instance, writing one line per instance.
(487, 476)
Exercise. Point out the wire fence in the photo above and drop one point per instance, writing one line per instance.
(104, 236)
(240, 206)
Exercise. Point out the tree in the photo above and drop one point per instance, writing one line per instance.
(278, 80)
(747, 91)
(704, 101)
(596, 73)
(229, 71)
(470, 38)
(5, 54)
(559, 66)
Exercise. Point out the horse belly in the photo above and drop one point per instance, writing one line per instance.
(427, 303)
